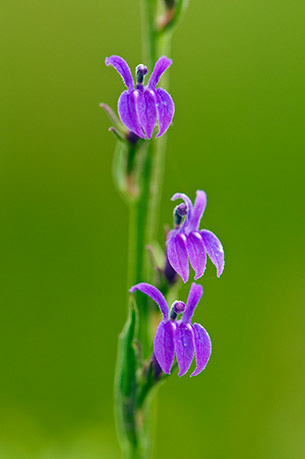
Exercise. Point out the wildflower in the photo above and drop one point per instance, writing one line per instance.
(139, 107)
(179, 337)
(187, 243)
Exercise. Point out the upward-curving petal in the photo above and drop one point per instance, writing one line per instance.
(162, 64)
(122, 68)
(184, 344)
(193, 299)
(154, 294)
(199, 207)
(164, 346)
(130, 106)
(148, 116)
(214, 248)
(165, 109)
(177, 255)
(203, 348)
(189, 205)
(196, 253)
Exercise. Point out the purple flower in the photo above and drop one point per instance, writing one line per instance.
(187, 243)
(179, 337)
(139, 107)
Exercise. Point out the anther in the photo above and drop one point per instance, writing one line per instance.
(141, 71)
(179, 212)
(177, 308)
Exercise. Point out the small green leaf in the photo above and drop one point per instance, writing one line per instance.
(125, 380)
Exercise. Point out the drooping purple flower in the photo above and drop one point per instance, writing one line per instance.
(140, 106)
(179, 337)
(187, 243)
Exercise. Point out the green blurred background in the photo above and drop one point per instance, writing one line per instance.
(238, 133)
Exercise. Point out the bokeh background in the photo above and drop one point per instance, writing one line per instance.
(238, 133)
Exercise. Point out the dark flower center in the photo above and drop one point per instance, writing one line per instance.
(141, 71)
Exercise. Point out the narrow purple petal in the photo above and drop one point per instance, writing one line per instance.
(199, 207)
(148, 116)
(193, 299)
(161, 65)
(189, 204)
(129, 106)
(154, 294)
(164, 346)
(166, 110)
(122, 68)
(196, 253)
(203, 348)
(214, 248)
(184, 344)
(177, 255)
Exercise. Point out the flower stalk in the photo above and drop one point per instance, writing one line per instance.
(143, 363)
(135, 380)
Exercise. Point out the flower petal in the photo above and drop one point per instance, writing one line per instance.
(196, 253)
(130, 104)
(148, 116)
(199, 207)
(177, 255)
(164, 346)
(184, 344)
(154, 294)
(203, 348)
(214, 248)
(189, 204)
(193, 299)
(122, 68)
(166, 110)
(162, 64)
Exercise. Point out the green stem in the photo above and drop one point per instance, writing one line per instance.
(149, 31)
(148, 206)
(143, 229)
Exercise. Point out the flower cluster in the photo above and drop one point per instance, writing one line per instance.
(186, 243)
(179, 337)
(140, 109)
(140, 106)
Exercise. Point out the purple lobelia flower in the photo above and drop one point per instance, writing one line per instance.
(179, 337)
(187, 243)
(140, 107)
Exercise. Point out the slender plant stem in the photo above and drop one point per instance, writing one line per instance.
(143, 229)
(149, 31)
(148, 206)
(140, 236)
